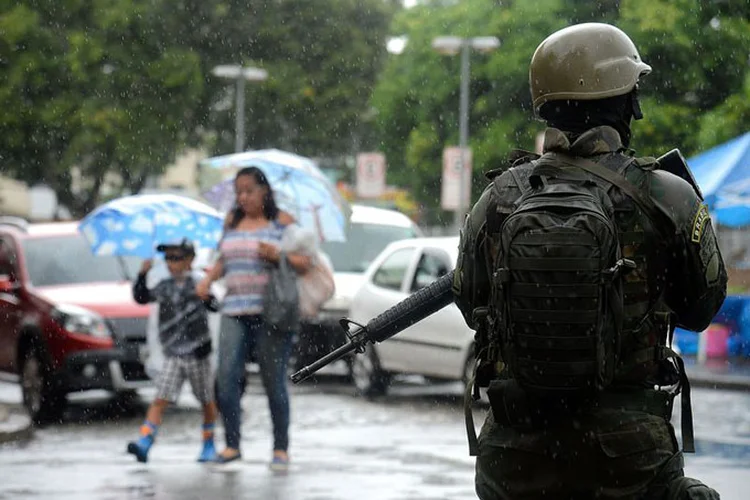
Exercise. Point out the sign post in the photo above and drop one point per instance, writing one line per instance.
(456, 183)
(370, 175)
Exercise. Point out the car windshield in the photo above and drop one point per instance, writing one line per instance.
(363, 243)
(67, 260)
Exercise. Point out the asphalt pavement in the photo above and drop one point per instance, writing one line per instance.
(410, 445)
(15, 425)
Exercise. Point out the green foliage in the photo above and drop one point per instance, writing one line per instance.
(121, 86)
(696, 96)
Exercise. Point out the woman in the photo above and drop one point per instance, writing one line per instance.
(249, 248)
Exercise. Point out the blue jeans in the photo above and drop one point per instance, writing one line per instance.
(240, 335)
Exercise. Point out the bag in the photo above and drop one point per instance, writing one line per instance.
(281, 300)
(558, 286)
(316, 287)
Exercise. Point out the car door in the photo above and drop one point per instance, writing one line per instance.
(384, 287)
(10, 311)
(434, 345)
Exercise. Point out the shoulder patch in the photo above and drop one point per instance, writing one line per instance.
(699, 223)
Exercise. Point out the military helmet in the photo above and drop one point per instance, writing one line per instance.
(584, 62)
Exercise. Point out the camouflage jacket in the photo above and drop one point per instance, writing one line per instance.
(681, 274)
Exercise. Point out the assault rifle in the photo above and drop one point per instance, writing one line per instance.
(434, 297)
(412, 309)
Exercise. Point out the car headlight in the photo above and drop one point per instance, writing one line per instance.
(80, 320)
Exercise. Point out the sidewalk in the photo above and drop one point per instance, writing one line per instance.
(732, 373)
(14, 426)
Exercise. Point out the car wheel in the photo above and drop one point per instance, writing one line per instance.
(368, 378)
(42, 399)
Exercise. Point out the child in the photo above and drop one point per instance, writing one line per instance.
(186, 343)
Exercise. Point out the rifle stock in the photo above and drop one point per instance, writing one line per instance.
(409, 311)
(674, 162)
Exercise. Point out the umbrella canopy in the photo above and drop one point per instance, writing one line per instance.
(723, 174)
(299, 187)
(135, 225)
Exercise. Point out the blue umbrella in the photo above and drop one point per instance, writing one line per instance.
(135, 225)
(723, 174)
(299, 187)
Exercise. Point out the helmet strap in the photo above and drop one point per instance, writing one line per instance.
(635, 104)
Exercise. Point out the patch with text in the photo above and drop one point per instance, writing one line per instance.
(699, 224)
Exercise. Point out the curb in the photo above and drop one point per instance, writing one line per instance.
(14, 426)
(729, 382)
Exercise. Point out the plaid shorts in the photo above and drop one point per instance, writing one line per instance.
(177, 369)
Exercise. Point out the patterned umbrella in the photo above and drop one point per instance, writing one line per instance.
(136, 225)
(299, 187)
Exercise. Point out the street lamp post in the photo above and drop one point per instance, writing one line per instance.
(240, 74)
(452, 45)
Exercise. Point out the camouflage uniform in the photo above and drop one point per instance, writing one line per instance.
(622, 445)
(615, 450)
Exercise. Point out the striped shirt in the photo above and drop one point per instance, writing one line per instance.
(245, 272)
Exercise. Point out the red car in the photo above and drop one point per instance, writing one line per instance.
(68, 321)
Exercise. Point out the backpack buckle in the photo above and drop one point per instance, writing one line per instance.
(621, 268)
(501, 276)
(479, 315)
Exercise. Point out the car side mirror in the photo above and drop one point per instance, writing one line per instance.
(7, 285)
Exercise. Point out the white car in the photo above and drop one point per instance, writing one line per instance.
(370, 230)
(440, 346)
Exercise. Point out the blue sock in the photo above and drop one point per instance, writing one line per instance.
(148, 434)
(208, 432)
(208, 452)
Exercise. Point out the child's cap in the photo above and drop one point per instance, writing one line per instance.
(186, 246)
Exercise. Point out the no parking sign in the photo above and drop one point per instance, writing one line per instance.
(453, 167)
(370, 175)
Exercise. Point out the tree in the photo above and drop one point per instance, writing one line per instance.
(89, 92)
(416, 98)
(322, 56)
(119, 87)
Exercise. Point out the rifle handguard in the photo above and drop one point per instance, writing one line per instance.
(414, 308)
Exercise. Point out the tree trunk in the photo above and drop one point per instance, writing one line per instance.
(92, 197)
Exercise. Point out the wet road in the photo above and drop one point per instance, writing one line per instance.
(411, 445)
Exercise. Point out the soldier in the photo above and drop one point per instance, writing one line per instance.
(619, 443)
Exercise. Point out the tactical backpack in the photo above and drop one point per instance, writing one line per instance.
(557, 286)
(554, 324)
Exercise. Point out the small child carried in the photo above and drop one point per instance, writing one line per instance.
(185, 341)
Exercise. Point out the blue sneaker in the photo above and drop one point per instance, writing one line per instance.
(140, 448)
(279, 463)
(221, 459)
(208, 453)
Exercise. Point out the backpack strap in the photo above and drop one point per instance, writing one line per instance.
(471, 432)
(637, 195)
(523, 186)
(688, 438)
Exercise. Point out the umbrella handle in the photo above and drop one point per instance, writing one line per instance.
(123, 268)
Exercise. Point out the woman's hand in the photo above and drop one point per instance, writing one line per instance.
(300, 262)
(268, 252)
(203, 289)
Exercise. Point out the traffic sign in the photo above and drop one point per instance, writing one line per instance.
(370, 175)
